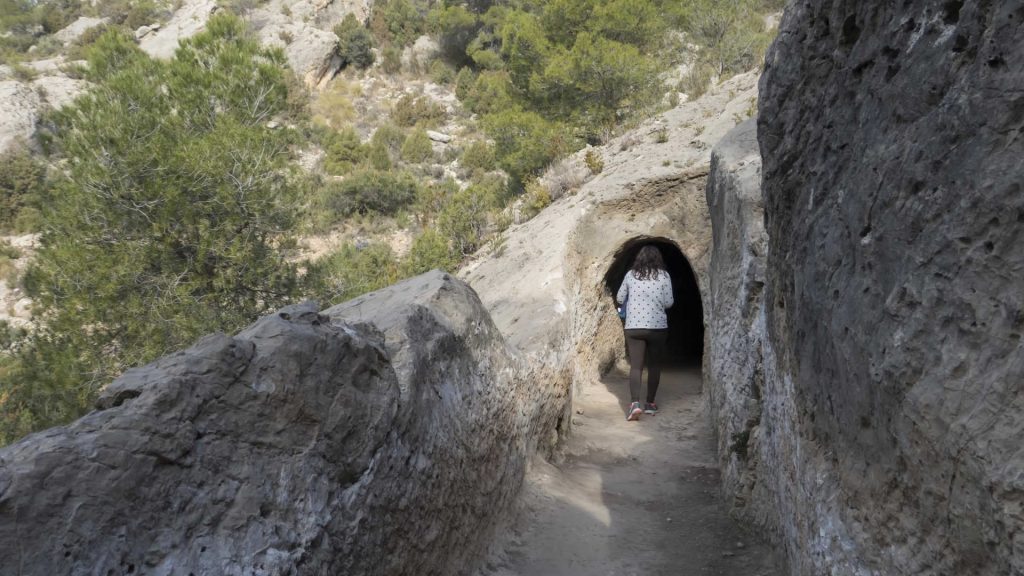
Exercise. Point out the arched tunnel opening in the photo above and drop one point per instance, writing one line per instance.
(685, 346)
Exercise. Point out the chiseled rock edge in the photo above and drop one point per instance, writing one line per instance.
(891, 411)
(306, 444)
(733, 366)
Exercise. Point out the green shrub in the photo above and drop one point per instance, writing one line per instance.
(379, 157)
(478, 155)
(488, 60)
(390, 136)
(597, 82)
(417, 147)
(8, 271)
(397, 22)
(173, 231)
(78, 50)
(525, 142)
(369, 191)
(464, 81)
(391, 59)
(536, 198)
(696, 81)
(593, 161)
(492, 188)
(455, 27)
(731, 35)
(441, 72)
(636, 22)
(562, 20)
(355, 43)
(491, 92)
(141, 13)
(525, 47)
(21, 185)
(433, 197)
(343, 151)
(430, 250)
(412, 110)
(351, 271)
(464, 220)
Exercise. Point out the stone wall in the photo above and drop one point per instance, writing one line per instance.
(890, 411)
(384, 436)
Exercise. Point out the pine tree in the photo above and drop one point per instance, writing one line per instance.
(169, 222)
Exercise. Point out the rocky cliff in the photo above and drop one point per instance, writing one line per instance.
(873, 407)
(383, 436)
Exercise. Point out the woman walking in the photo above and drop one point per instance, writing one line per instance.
(646, 293)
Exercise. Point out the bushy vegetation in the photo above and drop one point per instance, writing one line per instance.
(369, 191)
(417, 147)
(23, 23)
(27, 23)
(351, 271)
(355, 43)
(22, 182)
(412, 110)
(168, 224)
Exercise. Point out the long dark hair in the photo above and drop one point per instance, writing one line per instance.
(648, 263)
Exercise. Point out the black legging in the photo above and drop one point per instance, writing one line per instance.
(639, 342)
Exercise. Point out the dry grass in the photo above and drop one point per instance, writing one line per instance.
(333, 107)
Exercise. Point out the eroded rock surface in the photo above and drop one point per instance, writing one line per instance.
(891, 410)
(378, 437)
(19, 112)
(733, 368)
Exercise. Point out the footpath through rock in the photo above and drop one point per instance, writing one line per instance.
(633, 498)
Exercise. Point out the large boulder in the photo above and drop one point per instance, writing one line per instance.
(892, 406)
(312, 53)
(380, 437)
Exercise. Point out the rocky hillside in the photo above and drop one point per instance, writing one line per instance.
(865, 343)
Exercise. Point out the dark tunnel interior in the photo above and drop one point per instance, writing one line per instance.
(685, 345)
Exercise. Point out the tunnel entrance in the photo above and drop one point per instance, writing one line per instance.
(685, 345)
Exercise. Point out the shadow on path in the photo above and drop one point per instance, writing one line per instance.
(633, 498)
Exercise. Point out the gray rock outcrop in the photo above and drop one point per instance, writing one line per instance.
(733, 368)
(378, 437)
(884, 434)
(19, 112)
(312, 53)
(187, 21)
(302, 28)
(76, 29)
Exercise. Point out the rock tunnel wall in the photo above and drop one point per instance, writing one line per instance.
(879, 378)
(384, 436)
(670, 208)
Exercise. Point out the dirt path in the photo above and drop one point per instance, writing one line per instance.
(633, 498)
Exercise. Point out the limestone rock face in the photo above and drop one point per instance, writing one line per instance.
(75, 30)
(312, 53)
(304, 445)
(19, 112)
(302, 28)
(733, 371)
(892, 407)
(188, 20)
(59, 90)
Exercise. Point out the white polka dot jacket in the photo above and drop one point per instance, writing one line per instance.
(646, 300)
